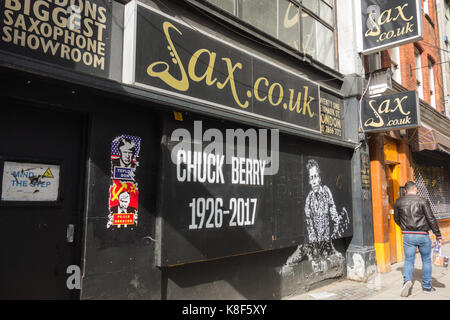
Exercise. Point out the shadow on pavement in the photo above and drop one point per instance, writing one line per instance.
(417, 276)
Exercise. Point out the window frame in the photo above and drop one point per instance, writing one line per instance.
(425, 6)
(395, 64)
(418, 69)
(301, 8)
(432, 83)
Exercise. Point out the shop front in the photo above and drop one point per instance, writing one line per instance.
(49, 55)
(386, 119)
(430, 148)
(415, 152)
(176, 164)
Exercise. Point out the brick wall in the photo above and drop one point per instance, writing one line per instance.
(429, 52)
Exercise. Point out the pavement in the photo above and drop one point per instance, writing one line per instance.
(385, 286)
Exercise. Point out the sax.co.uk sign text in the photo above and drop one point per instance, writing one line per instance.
(389, 112)
(173, 57)
(387, 24)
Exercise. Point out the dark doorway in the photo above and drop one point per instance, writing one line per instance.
(36, 246)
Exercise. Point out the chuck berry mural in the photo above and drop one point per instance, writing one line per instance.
(323, 222)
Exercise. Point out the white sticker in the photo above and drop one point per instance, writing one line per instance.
(30, 181)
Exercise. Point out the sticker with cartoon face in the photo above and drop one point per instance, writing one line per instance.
(123, 204)
(123, 191)
(124, 153)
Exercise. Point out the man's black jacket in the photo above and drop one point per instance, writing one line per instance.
(413, 213)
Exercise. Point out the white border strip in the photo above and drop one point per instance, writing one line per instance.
(129, 42)
(358, 24)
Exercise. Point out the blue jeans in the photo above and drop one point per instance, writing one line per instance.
(410, 244)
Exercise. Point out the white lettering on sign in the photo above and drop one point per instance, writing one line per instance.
(74, 30)
(209, 213)
(199, 166)
(247, 171)
(30, 182)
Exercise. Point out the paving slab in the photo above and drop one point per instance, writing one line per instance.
(385, 286)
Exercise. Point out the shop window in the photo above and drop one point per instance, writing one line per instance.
(312, 5)
(307, 26)
(433, 183)
(326, 12)
(425, 7)
(432, 176)
(395, 64)
(418, 68)
(261, 14)
(288, 24)
(309, 35)
(316, 37)
(318, 31)
(226, 5)
(431, 81)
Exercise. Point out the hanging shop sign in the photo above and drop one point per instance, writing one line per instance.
(30, 181)
(388, 24)
(390, 112)
(75, 34)
(169, 56)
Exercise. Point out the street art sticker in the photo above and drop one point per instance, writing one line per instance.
(123, 204)
(323, 221)
(124, 152)
(123, 191)
(30, 182)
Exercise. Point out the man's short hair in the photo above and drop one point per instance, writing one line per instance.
(312, 163)
(409, 186)
(122, 192)
(127, 141)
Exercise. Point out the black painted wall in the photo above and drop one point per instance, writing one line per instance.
(120, 263)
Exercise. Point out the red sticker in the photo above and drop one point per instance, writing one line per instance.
(123, 219)
(123, 203)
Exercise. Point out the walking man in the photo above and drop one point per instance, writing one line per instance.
(414, 217)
